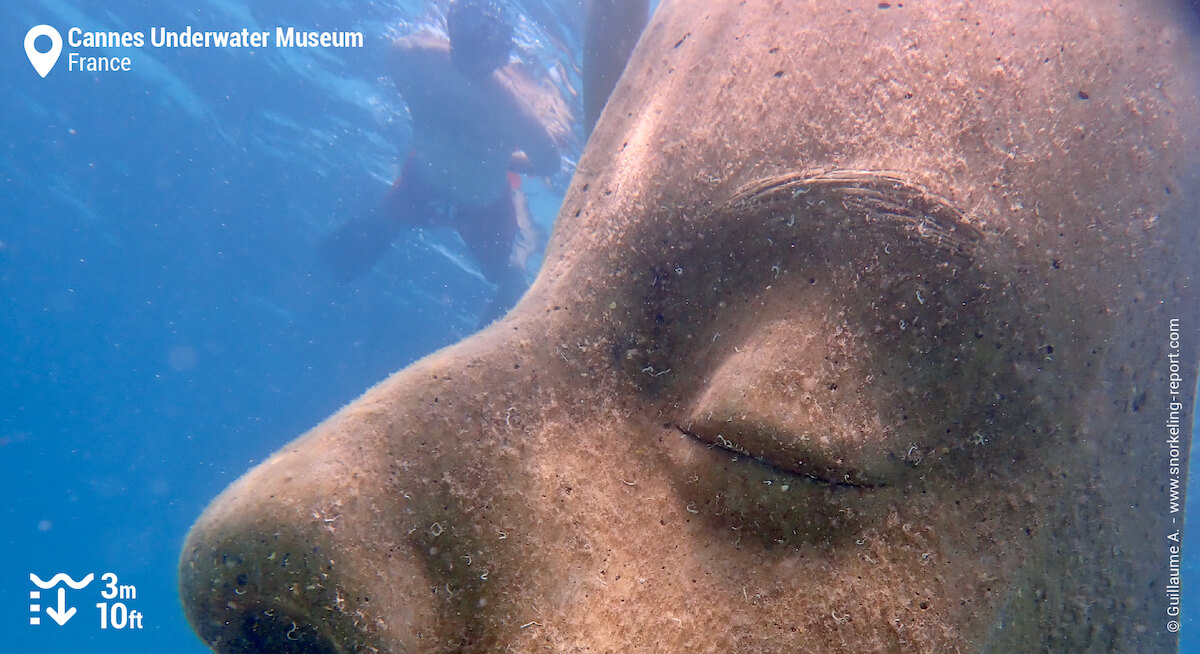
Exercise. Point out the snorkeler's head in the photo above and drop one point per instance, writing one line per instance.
(480, 37)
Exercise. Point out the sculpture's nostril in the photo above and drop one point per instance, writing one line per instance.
(270, 631)
(237, 608)
(246, 592)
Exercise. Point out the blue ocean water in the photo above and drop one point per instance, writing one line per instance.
(164, 320)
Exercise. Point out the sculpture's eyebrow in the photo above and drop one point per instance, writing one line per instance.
(884, 202)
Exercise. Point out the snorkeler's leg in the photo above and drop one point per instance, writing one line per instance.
(489, 233)
(352, 249)
(510, 285)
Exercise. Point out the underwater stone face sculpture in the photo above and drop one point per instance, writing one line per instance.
(851, 338)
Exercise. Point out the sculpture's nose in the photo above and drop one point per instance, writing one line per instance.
(271, 564)
(336, 542)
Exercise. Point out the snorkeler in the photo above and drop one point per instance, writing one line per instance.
(475, 131)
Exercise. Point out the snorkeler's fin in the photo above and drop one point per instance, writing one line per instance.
(352, 249)
(613, 28)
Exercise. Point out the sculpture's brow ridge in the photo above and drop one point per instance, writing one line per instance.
(883, 200)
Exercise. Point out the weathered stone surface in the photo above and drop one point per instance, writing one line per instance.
(851, 338)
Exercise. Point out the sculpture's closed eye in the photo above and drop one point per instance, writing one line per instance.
(879, 343)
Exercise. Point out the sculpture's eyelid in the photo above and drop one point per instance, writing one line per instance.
(845, 479)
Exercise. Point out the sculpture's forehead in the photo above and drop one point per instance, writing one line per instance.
(996, 106)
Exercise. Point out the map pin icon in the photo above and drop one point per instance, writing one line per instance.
(43, 61)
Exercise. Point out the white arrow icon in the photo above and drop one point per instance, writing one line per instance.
(63, 613)
(43, 61)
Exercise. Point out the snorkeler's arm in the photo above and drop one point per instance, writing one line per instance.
(538, 155)
(409, 56)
